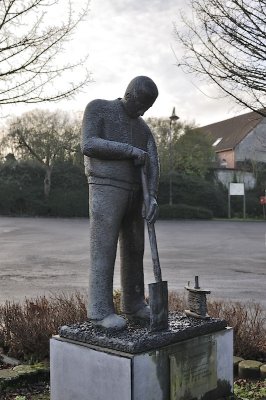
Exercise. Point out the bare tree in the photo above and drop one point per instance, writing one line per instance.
(31, 46)
(45, 136)
(225, 41)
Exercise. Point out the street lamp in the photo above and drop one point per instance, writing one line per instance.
(173, 118)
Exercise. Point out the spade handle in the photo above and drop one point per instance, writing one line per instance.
(151, 229)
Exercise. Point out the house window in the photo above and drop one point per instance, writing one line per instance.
(217, 141)
(224, 163)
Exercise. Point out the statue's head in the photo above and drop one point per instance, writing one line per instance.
(140, 95)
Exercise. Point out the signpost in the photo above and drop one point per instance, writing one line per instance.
(236, 189)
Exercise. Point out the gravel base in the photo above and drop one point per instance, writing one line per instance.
(137, 338)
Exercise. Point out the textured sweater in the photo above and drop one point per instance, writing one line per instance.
(108, 138)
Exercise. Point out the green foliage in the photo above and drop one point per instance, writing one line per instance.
(196, 192)
(250, 390)
(21, 190)
(69, 176)
(161, 130)
(258, 169)
(183, 211)
(192, 157)
(20, 187)
(253, 207)
(69, 203)
(261, 177)
(192, 152)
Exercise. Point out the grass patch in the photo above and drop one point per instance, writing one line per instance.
(249, 390)
(39, 391)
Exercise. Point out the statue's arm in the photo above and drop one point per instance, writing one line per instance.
(110, 150)
(93, 145)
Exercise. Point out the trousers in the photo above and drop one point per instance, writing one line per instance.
(115, 216)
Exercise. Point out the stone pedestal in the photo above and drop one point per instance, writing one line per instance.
(198, 368)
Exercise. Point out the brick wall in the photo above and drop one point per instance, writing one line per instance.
(227, 158)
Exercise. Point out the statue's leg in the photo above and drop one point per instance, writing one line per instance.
(131, 240)
(107, 205)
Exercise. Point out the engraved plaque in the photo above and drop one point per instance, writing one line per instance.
(193, 369)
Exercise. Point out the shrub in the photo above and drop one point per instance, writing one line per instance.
(253, 207)
(25, 329)
(184, 211)
(21, 190)
(247, 319)
(67, 203)
(176, 301)
(195, 191)
(21, 186)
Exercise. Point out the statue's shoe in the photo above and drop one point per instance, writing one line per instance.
(143, 313)
(112, 322)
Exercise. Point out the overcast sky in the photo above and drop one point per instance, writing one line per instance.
(126, 38)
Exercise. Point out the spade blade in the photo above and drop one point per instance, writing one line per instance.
(158, 301)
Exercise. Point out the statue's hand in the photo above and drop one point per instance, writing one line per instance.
(151, 214)
(139, 156)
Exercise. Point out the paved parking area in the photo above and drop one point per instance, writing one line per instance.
(39, 255)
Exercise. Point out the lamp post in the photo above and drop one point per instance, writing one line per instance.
(173, 118)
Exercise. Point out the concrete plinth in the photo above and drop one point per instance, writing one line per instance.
(198, 368)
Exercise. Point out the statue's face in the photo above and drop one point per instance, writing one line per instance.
(138, 103)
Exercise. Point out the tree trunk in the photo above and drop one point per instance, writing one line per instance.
(47, 182)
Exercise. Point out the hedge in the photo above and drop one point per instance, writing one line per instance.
(196, 192)
(21, 193)
(183, 211)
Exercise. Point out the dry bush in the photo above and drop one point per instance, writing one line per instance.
(249, 323)
(25, 328)
(117, 299)
(247, 319)
(176, 301)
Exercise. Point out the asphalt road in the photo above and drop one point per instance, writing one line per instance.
(42, 256)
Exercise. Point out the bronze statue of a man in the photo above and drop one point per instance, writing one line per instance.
(116, 142)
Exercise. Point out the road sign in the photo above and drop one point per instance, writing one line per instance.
(237, 189)
(262, 200)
